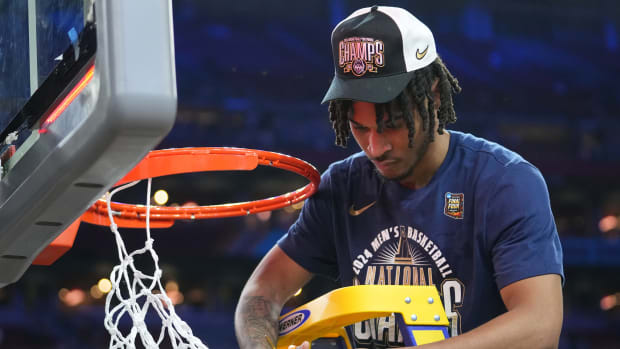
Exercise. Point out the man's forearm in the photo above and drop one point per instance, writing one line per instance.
(256, 322)
(508, 331)
(533, 320)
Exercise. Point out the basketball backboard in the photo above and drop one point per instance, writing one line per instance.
(87, 88)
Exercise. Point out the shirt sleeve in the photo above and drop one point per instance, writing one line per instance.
(522, 235)
(310, 240)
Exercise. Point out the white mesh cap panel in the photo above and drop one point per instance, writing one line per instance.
(417, 38)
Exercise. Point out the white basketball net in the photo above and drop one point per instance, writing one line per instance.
(137, 293)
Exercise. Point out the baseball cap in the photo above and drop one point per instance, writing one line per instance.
(376, 50)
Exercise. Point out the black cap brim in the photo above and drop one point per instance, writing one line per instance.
(373, 90)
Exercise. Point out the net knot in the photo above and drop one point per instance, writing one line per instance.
(126, 261)
(139, 324)
(166, 322)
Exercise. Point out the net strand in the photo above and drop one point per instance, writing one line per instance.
(138, 292)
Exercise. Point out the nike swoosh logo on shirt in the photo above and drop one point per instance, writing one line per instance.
(354, 212)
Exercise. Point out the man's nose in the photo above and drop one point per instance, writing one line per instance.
(378, 144)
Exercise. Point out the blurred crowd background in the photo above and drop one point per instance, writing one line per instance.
(540, 77)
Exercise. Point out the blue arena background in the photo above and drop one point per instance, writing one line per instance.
(538, 77)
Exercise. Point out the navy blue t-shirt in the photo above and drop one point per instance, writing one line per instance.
(481, 223)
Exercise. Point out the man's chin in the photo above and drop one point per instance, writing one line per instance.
(393, 176)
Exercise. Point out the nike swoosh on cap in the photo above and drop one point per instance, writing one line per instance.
(420, 55)
(354, 212)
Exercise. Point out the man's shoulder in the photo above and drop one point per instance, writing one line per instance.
(481, 150)
(492, 163)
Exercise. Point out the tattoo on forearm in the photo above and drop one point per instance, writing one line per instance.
(259, 323)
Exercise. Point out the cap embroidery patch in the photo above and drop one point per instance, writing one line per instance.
(454, 205)
(360, 55)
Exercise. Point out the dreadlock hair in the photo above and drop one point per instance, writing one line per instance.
(416, 94)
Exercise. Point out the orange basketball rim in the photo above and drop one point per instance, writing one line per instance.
(186, 160)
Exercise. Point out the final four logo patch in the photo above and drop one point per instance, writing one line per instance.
(454, 205)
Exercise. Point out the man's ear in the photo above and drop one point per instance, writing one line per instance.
(436, 94)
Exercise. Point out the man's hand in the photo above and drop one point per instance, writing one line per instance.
(304, 345)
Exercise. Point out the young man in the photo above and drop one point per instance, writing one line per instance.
(419, 206)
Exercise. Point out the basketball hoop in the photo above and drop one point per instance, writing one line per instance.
(135, 292)
(184, 160)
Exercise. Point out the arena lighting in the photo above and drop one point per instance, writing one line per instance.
(161, 197)
(172, 286)
(104, 285)
(62, 294)
(176, 297)
(298, 205)
(74, 297)
(95, 292)
(610, 301)
(75, 91)
(190, 204)
(263, 216)
(172, 290)
(196, 296)
(608, 223)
